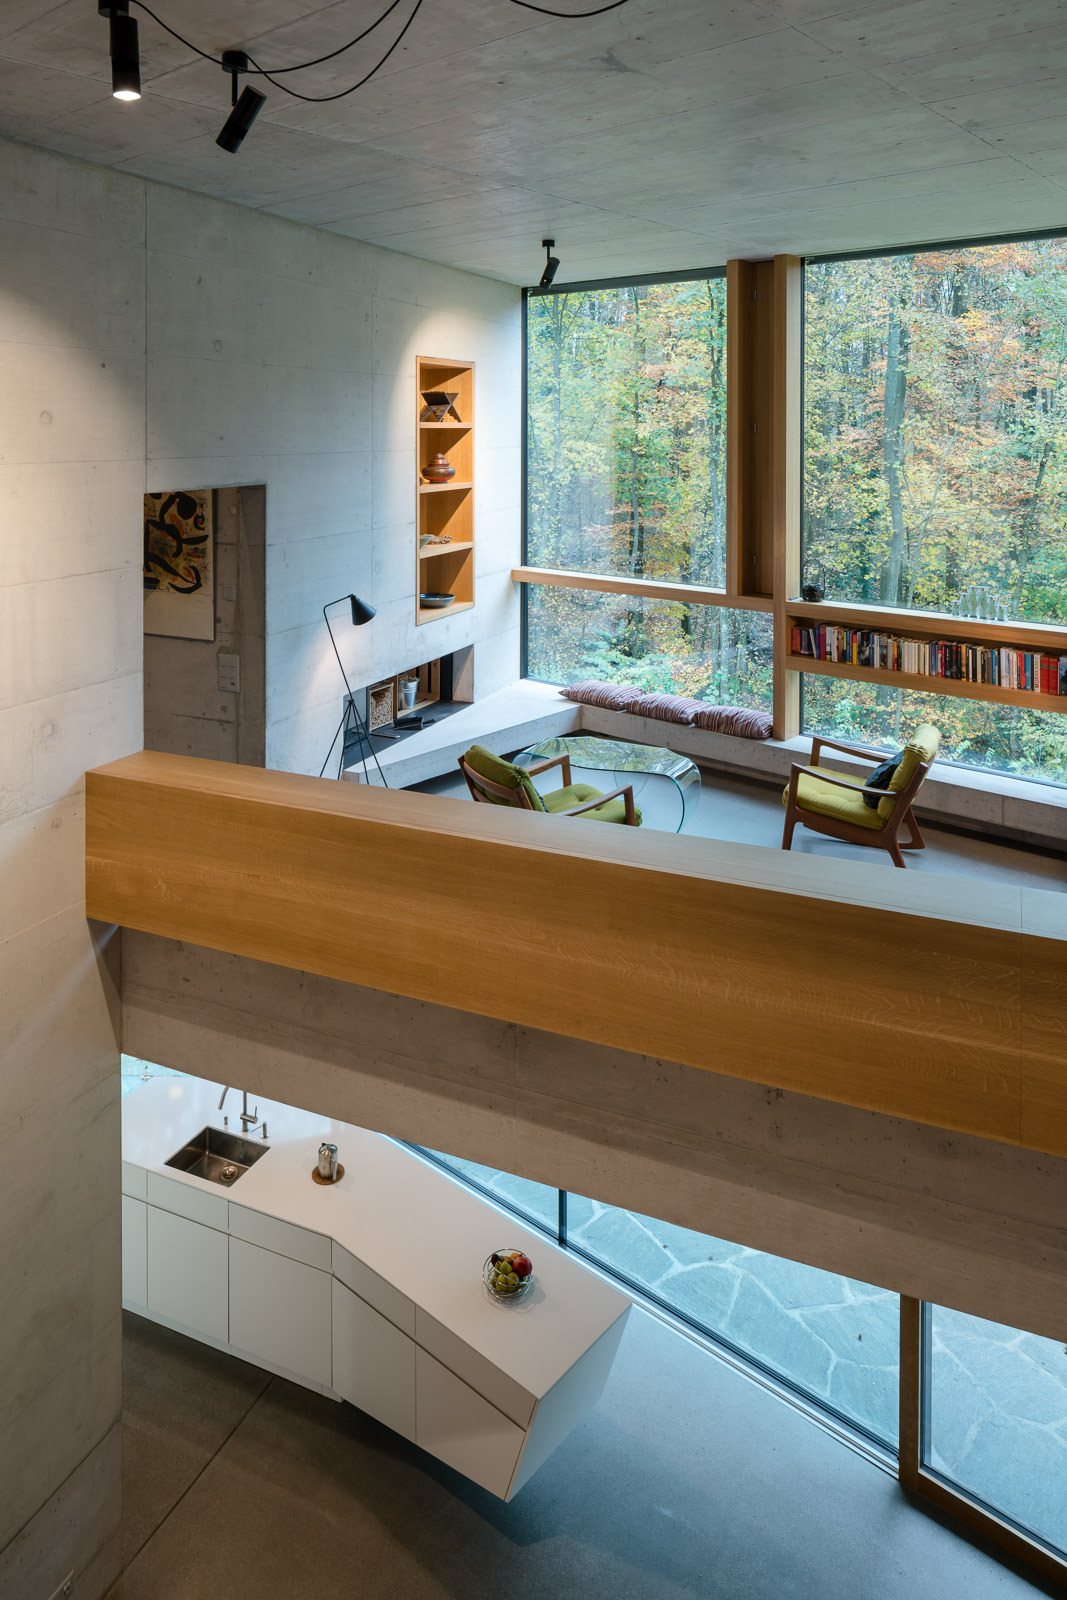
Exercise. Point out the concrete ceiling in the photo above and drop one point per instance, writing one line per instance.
(667, 134)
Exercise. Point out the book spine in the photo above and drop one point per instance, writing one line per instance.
(1001, 666)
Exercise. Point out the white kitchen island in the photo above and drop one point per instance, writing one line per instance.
(369, 1290)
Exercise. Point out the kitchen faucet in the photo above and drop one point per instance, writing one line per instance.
(249, 1119)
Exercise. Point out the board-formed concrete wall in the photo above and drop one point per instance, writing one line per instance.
(283, 355)
(154, 338)
(72, 332)
(965, 1222)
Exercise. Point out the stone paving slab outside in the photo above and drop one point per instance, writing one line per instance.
(998, 1395)
(998, 1413)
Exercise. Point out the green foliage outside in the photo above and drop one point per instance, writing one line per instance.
(707, 652)
(935, 414)
(935, 411)
(974, 733)
(626, 475)
(935, 419)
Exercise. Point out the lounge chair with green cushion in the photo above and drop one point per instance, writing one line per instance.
(500, 783)
(829, 802)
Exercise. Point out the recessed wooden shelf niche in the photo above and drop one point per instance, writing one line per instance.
(445, 511)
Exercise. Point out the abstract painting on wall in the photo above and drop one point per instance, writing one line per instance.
(179, 564)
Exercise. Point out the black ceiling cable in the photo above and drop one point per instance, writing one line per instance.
(274, 73)
(574, 16)
(319, 99)
(256, 69)
(188, 43)
(329, 57)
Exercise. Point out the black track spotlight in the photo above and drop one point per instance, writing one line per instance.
(245, 109)
(551, 265)
(125, 52)
(240, 119)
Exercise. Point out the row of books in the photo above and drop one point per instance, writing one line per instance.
(933, 658)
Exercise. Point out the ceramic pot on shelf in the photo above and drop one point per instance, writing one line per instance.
(439, 470)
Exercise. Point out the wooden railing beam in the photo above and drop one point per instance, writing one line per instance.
(920, 997)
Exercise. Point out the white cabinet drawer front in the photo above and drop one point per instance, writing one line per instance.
(134, 1252)
(372, 1288)
(284, 1238)
(497, 1387)
(134, 1181)
(373, 1362)
(281, 1311)
(458, 1426)
(188, 1201)
(188, 1269)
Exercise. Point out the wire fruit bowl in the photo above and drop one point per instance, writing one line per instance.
(502, 1277)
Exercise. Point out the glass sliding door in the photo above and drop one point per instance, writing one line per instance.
(984, 1428)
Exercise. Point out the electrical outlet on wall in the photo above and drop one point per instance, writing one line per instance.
(65, 1588)
(229, 673)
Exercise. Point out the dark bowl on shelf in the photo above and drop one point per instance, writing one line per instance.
(436, 600)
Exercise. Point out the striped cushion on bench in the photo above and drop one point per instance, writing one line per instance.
(732, 719)
(609, 696)
(664, 708)
(735, 720)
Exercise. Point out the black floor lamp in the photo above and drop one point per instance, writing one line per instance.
(350, 718)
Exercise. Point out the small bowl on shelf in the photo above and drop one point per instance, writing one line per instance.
(436, 601)
(508, 1274)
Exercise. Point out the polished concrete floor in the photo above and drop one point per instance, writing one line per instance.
(750, 812)
(686, 1482)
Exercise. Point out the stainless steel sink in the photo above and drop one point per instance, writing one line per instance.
(218, 1156)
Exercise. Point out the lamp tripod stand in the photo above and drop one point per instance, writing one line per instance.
(350, 717)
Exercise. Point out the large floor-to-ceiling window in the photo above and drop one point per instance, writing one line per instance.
(929, 411)
(626, 480)
(626, 430)
(935, 475)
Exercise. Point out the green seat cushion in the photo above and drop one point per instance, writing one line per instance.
(844, 805)
(920, 750)
(575, 793)
(483, 763)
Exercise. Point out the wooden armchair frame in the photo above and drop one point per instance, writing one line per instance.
(520, 799)
(884, 838)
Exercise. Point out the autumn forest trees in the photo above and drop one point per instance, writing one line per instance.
(935, 477)
(626, 475)
(935, 469)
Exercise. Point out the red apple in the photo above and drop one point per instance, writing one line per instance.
(521, 1264)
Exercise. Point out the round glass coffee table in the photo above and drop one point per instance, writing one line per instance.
(621, 763)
